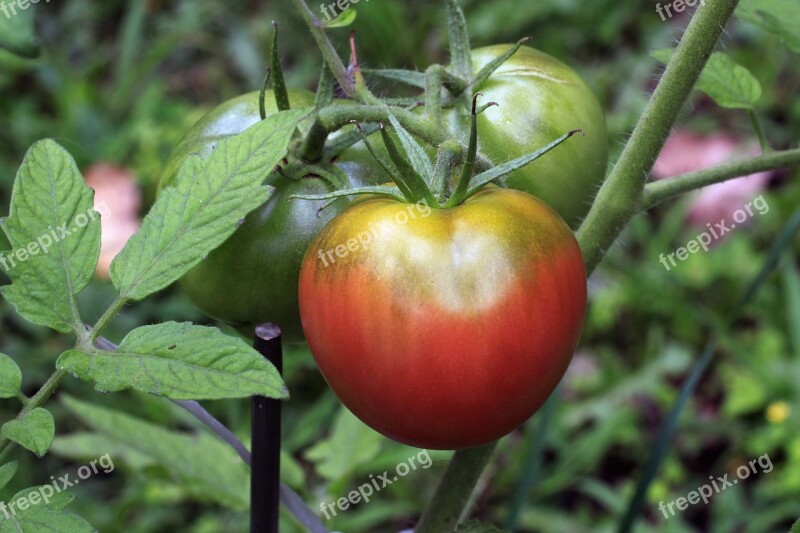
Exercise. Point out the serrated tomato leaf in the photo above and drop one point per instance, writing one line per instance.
(55, 237)
(181, 362)
(210, 199)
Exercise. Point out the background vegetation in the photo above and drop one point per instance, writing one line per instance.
(120, 81)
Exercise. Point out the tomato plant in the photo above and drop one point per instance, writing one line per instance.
(245, 281)
(539, 98)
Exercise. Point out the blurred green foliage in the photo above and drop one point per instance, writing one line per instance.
(120, 81)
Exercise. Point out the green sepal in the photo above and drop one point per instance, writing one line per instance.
(382, 190)
(472, 154)
(496, 63)
(278, 83)
(507, 168)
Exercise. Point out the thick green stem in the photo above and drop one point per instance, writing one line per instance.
(455, 489)
(22, 398)
(434, 82)
(657, 192)
(107, 317)
(450, 155)
(332, 58)
(336, 117)
(620, 197)
(38, 400)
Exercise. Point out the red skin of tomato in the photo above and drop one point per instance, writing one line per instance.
(450, 330)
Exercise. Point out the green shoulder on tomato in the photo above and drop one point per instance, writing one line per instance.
(252, 278)
(540, 98)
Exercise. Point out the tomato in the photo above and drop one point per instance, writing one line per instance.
(540, 99)
(444, 328)
(251, 278)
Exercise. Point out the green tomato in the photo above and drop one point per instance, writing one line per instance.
(252, 278)
(540, 99)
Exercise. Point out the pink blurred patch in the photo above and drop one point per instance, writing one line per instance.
(117, 198)
(688, 152)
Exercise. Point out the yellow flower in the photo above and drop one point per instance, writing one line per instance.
(778, 412)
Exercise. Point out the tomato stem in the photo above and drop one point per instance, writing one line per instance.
(460, 50)
(454, 491)
(316, 26)
(659, 191)
(434, 83)
(620, 197)
(450, 155)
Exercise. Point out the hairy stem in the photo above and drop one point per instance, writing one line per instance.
(620, 197)
(111, 313)
(332, 58)
(658, 191)
(334, 118)
(455, 489)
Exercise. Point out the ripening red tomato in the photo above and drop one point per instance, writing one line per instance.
(444, 328)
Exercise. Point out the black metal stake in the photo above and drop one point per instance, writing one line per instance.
(266, 436)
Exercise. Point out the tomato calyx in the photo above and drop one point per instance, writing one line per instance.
(415, 178)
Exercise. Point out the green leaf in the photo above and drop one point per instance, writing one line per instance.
(41, 509)
(180, 361)
(33, 430)
(55, 235)
(778, 17)
(795, 527)
(85, 446)
(38, 519)
(16, 31)
(666, 431)
(10, 377)
(58, 500)
(474, 526)
(7, 472)
(343, 19)
(351, 443)
(211, 198)
(209, 469)
(728, 83)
